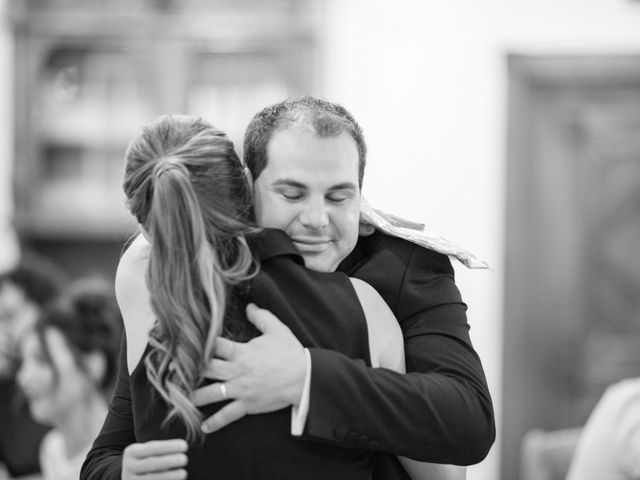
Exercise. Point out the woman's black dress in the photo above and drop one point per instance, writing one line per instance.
(322, 310)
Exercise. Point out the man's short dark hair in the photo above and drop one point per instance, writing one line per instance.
(326, 119)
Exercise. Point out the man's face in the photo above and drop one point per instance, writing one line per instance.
(52, 402)
(310, 190)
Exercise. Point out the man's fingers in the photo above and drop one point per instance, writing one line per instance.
(160, 464)
(155, 460)
(178, 474)
(229, 414)
(220, 370)
(264, 320)
(225, 348)
(157, 447)
(212, 393)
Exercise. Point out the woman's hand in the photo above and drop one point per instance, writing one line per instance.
(155, 460)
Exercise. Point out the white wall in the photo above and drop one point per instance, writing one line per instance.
(8, 242)
(427, 81)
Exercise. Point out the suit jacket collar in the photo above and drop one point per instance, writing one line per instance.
(270, 242)
(359, 254)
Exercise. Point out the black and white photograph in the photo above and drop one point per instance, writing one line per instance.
(319, 240)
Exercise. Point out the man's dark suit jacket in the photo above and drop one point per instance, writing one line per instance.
(441, 410)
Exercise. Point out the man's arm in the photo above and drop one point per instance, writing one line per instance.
(426, 416)
(104, 460)
(441, 410)
(115, 455)
(386, 345)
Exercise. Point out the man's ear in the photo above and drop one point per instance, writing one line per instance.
(365, 229)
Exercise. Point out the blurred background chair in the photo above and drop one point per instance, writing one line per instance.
(546, 455)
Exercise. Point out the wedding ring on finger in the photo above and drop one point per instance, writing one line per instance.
(223, 391)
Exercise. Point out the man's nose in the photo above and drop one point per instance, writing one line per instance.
(315, 215)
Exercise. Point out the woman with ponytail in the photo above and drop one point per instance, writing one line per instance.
(187, 188)
(187, 280)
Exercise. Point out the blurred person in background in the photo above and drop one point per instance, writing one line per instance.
(24, 291)
(609, 445)
(68, 368)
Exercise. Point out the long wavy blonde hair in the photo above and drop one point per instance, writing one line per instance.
(186, 186)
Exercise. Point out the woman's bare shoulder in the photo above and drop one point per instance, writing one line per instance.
(134, 299)
(385, 337)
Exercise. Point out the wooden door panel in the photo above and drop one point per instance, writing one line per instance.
(572, 287)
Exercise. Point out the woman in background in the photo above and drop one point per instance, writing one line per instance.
(24, 291)
(69, 364)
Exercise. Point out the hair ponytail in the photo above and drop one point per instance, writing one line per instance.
(186, 186)
(188, 292)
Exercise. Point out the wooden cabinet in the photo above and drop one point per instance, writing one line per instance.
(88, 74)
